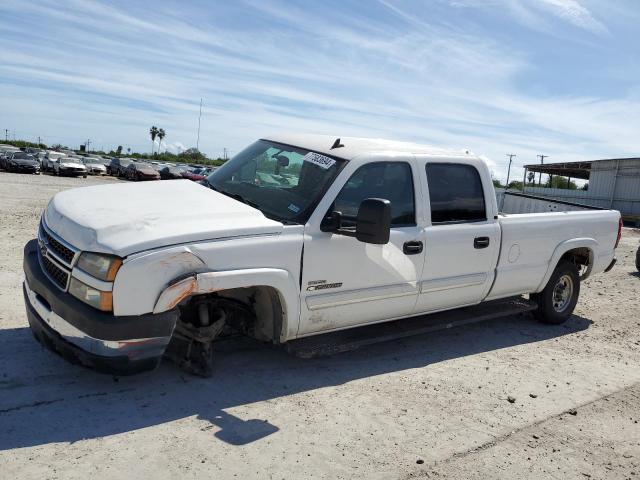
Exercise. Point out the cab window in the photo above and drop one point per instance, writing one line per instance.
(391, 181)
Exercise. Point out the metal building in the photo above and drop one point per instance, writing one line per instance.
(613, 183)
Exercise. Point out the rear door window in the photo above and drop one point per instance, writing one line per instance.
(455, 193)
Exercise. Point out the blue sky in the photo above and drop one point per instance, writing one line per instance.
(557, 77)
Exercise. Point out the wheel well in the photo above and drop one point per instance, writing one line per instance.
(581, 257)
(257, 311)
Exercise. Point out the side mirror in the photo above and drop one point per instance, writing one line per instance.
(373, 224)
(332, 222)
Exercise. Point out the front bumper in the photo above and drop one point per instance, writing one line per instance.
(117, 345)
(26, 168)
(71, 171)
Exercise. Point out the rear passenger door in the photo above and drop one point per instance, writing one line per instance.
(462, 237)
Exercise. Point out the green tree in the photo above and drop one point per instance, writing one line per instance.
(496, 183)
(515, 185)
(161, 135)
(153, 131)
(560, 182)
(192, 154)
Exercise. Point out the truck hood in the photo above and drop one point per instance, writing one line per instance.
(133, 217)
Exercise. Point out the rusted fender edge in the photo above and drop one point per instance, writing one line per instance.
(209, 282)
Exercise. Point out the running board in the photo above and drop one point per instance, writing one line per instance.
(322, 345)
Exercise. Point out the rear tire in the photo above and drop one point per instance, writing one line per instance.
(638, 259)
(558, 299)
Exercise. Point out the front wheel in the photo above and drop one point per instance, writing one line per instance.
(638, 259)
(558, 299)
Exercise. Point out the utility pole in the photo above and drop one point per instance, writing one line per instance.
(224, 153)
(541, 157)
(510, 155)
(39, 142)
(87, 144)
(199, 117)
(6, 134)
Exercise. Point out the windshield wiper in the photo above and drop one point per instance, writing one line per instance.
(240, 198)
(235, 196)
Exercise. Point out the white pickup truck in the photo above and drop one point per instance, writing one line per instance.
(297, 235)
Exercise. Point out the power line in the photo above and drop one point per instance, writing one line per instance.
(199, 117)
(510, 155)
(504, 194)
(541, 157)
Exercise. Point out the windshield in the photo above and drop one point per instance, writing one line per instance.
(284, 182)
(22, 156)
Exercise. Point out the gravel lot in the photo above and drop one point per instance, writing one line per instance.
(433, 406)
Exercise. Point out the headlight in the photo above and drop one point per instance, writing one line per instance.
(103, 267)
(96, 298)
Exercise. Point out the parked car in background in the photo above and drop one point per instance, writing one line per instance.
(196, 174)
(5, 153)
(171, 173)
(94, 166)
(66, 166)
(118, 166)
(138, 171)
(21, 162)
(49, 158)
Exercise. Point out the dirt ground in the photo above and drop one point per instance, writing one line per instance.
(433, 406)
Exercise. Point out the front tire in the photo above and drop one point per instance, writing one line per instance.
(559, 298)
(638, 259)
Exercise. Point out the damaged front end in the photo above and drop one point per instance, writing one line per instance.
(204, 320)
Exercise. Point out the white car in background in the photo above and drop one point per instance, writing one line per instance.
(69, 166)
(49, 159)
(95, 166)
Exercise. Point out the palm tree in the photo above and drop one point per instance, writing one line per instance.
(161, 135)
(154, 133)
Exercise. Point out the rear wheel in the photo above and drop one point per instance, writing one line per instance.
(638, 259)
(558, 299)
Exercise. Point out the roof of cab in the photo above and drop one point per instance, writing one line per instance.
(354, 146)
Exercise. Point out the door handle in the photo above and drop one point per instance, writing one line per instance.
(412, 248)
(481, 242)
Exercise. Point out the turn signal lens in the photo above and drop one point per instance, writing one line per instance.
(89, 295)
(103, 267)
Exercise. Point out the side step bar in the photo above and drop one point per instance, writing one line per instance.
(351, 339)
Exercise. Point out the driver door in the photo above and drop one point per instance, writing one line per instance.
(346, 282)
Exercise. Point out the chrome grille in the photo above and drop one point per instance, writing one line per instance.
(56, 274)
(56, 257)
(63, 252)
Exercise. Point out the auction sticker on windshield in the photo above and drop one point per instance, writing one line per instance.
(319, 160)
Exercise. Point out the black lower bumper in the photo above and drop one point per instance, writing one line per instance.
(134, 343)
(113, 365)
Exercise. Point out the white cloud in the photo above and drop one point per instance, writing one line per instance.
(576, 13)
(108, 73)
(174, 147)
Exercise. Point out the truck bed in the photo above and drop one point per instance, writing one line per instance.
(530, 240)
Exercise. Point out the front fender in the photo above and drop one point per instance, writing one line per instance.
(588, 243)
(216, 281)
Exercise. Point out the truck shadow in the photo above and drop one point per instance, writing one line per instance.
(43, 399)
